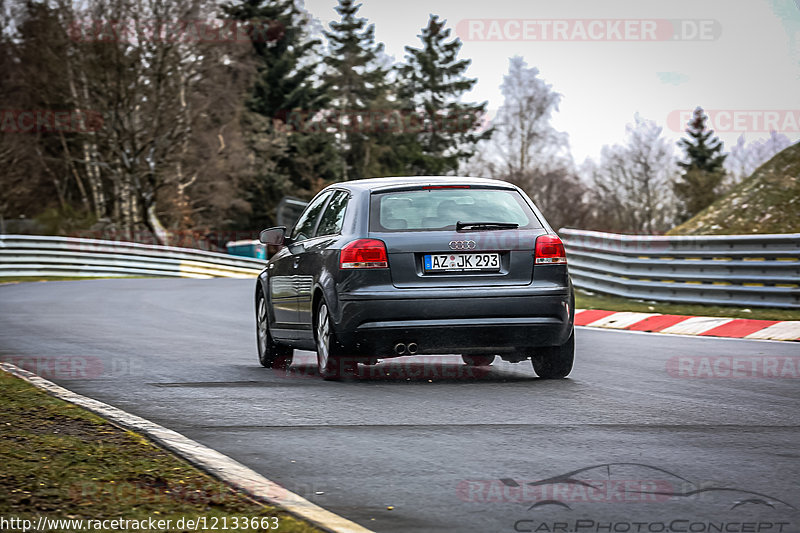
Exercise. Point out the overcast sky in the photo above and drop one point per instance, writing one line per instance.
(747, 58)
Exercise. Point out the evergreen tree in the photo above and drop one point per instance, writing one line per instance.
(431, 85)
(358, 85)
(703, 172)
(293, 157)
(286, 77)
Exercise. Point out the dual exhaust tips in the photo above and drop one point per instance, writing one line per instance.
(410, 348)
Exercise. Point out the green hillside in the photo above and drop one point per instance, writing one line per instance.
(766, 202)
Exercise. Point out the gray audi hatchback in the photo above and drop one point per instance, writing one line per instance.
(388, 267)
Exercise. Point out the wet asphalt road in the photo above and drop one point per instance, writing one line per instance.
(448, 448)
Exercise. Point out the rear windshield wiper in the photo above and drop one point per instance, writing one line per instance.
(485, 225)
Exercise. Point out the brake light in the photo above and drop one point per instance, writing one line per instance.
(550, 250)
(435, 187)
(364, 253)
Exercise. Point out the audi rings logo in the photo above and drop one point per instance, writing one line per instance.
(463, 245)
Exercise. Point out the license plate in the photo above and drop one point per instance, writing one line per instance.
(460, 262)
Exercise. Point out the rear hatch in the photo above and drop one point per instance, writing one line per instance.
(456, 235)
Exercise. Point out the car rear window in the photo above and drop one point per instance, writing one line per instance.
(441, 209)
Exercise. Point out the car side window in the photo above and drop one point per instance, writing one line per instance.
(304, 228)
(333, 217)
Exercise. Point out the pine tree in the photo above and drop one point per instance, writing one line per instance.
(286, 78)
(358, 85)
(292, 157)
(432, 83)
(703, 172)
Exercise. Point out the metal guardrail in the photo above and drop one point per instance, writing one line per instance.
(742, 270)
(745, 270)
(31, 256)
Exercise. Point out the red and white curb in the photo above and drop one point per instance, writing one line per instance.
(215, 463)
(737, 328)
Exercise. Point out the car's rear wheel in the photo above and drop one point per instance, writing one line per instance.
(330, 359)
(555, 362)
(270, 355)
(478, 360)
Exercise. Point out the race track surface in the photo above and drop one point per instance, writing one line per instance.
(630, 438)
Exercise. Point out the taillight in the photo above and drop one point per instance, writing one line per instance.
(364, 253)
(550, 250)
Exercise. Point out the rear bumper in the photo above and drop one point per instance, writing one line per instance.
(455, 324)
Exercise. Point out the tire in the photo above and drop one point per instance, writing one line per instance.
(332, 363)
(555, 362)
(270, 355)
(478, 360)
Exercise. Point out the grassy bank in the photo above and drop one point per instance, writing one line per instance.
(61, 461)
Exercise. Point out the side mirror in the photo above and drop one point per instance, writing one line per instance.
(273, 236)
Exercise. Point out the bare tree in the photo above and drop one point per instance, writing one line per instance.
(744, 159)
(633, 181)
(166, 84)
(34, 177)
(528, 151)
(525, 144)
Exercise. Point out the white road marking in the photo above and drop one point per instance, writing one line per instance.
(209, 460)
(696, 325)
(620, 320)
(782, 331)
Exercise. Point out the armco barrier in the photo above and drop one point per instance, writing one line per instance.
(741, 270)
(31, 256)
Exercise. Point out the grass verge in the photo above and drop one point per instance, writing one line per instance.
(594, 300)
(63, 462)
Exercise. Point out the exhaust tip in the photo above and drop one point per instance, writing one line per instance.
(412, 348)
(399, 348)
